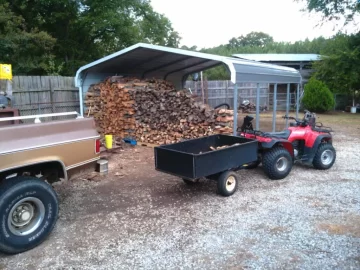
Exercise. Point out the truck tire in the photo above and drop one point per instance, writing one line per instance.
(277, 163)
(28, 213)
(325, 157)
(227, 183)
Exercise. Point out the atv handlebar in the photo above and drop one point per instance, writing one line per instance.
(302, 123)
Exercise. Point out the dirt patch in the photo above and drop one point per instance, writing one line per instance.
(350, 226)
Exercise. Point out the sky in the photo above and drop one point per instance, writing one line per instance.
(209, 23)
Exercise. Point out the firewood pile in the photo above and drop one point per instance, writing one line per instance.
(224, 121)
(151, 111)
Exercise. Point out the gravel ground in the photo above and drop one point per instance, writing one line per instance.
(137, 218)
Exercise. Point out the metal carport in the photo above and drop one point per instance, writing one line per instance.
(152, 61)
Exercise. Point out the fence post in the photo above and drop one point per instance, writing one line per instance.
(52, 96)
(257, 106)
(287, 103)
(235, 108)
(226, 91)
(274, 107)
(297, 100)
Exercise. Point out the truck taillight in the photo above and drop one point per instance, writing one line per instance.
(97, 146)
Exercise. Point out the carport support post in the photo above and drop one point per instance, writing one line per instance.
(235, 108)
(287, 103)
(274, 108)
(257, 105)
(297, 100)
(81, 100)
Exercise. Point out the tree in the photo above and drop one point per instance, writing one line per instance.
(255, 39)
(85, 30)
(28, 50)
(339, 68)
(317, 96)
(334, 9)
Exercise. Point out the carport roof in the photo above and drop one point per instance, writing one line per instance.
(149, 61)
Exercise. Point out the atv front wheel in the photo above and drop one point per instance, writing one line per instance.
(325, 157)
(277, 163)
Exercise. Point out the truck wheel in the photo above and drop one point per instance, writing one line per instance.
(227, 183)
(325, 157)
(28, 213)
(277, 163)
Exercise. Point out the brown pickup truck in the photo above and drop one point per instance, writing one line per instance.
(32, 157)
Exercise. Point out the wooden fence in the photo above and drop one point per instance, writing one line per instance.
(53, 94)
(43, 94)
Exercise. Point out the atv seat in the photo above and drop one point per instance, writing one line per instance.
(281, 135)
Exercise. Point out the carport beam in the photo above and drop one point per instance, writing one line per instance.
(257, 105)
(235, 108)
(287, 103)
(81, 100)
(274, 108)
(297, 100)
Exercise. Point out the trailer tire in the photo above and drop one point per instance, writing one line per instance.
(277, 163)
(28, 213)
(227, 183)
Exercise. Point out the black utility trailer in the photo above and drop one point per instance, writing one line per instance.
(199, 158)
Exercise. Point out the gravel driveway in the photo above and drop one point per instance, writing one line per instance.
(137, 218)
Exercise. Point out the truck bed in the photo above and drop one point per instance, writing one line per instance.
(193, 159)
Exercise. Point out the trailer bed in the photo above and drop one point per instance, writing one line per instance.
(194, 159)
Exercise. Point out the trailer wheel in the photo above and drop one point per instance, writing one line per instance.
(189, 182)
(227, 183)
(28, 213)
(277, 163)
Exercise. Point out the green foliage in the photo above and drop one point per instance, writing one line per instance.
(27, 49)
(339, 68)
(317, 96)
(58, 36)
(334, 9)
(253, 39)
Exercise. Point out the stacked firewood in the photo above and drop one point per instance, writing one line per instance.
(150, 111)
(224, 121)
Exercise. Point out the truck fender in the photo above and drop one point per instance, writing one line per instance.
(59, 164)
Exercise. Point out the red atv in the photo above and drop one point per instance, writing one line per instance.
(304, 141)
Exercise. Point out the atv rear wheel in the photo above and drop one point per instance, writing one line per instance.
(277, 163)
(325, 157)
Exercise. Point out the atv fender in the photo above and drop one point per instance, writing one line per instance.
(309, 152)
(286, 144)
